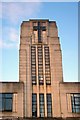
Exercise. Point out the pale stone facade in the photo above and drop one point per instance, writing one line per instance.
(41, 75)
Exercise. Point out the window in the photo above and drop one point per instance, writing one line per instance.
(47, 65)
(49, 105)
(41, 80)
(33, 64)
(34, 105)
(75, 99)
(6, 102)
(34, 80)
(0, 102)
(41, 102)
(40, 65)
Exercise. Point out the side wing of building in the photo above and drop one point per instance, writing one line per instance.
(11, 99)
(70, 99)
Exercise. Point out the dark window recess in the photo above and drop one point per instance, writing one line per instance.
(41, 103)
(40, 65)
(75, 99)
(49, 105)
(47, 65)
(48, 82)
(33, 64)
(34, 80)
(6, 101)
(41, 82)
(34, 105)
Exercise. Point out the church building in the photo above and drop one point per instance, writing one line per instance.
(41, 91)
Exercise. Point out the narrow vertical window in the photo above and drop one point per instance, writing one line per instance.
(75, 99)
(40, 65)
(47, 65)
(6, 102)
(1, 102)
(41, 102)
(33, 64)
(49, 105)
(34, 105)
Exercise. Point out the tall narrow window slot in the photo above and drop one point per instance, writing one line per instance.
(33, 64)
(40, 65)
(41, 102)
(1, 102)
(34, 105)
(47, 65)
(49, 105)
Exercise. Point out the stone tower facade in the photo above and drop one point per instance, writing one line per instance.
(40, 67)
(41, 92)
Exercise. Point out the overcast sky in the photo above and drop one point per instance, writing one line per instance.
(12, 15)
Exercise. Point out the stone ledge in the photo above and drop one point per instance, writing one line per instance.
(13, 118)
(69, 118)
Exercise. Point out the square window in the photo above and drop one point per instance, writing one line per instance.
(6, 100)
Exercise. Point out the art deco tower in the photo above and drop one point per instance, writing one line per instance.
(40, 68)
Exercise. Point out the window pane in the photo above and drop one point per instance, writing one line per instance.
(6, 102)
(49, 105)
(8, 105)
(78, 110)
(75, 98)
(8, 95)
(41, 102)
(0, 102)
(34, 105)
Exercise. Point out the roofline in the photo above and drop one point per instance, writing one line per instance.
(10, 82)
(69, 82)
(39, 20)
